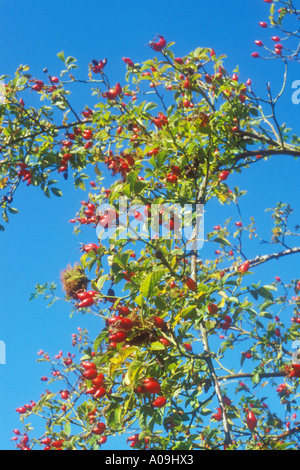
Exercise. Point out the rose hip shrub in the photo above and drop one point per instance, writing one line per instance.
(191, 353)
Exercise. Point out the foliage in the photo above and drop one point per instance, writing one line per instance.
(176, 331)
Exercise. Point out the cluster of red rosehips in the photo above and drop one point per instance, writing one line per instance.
(97, 66)
(158, 45)
(86, 298)
(113, 93)
(50, 444)
(24, 173)
(152, 386)
(88, 217)
(283, 390)
(278, 48)
(135, 440)
(160, 120)
(39, 85)
(217, 78)
(24, 409)
(119, 326)
(119, 163)
(23, 440)
(78, 135)
(174, 175)
(293, 370)
(90, 373)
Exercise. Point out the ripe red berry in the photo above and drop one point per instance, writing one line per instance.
(100, 392)
(98, 381)
(151, 385)
(171, 178)
(99, 429)
(159, 45)
(191, 284)
(88, 365)
(118, 337)
(87, 302)
(244, 267)
(158, 322)
(90, 374)
(212, 308)
(102, 440)
(251, 421)
(159, 402)
(87, 134)
(57, 444)
(64, 394)
(224, 175)
(187, 347)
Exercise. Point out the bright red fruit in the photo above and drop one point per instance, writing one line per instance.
(251, 421)
(212, 308)
(171, 178)
(100, 392)
(191, 284)
(118, 337)
(158, 322)
(98, 381)
(224, 175)
(159, 45)
(87, 302)
(217, 416)
(64, 394)
(57, 444)
(102, 440)
(87, 134)
(99, 429)
(90, 374)
(244, 267)
(151, 385)
(159, 402)
(88, 365)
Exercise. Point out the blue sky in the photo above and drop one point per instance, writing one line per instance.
(38, 242)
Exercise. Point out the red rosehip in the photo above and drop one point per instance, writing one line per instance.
(251, 421)
(159, 402)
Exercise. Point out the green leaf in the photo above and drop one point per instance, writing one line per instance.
(61, 56)
(160, 303)
(150, 106)
(101, 281)
(222, 241)
(57, 192)
(265, 293)
(266, 315)
(151, 282)
(265, 305)
(12, 210)
(70, 60)
(67, 428)
(157, 346)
